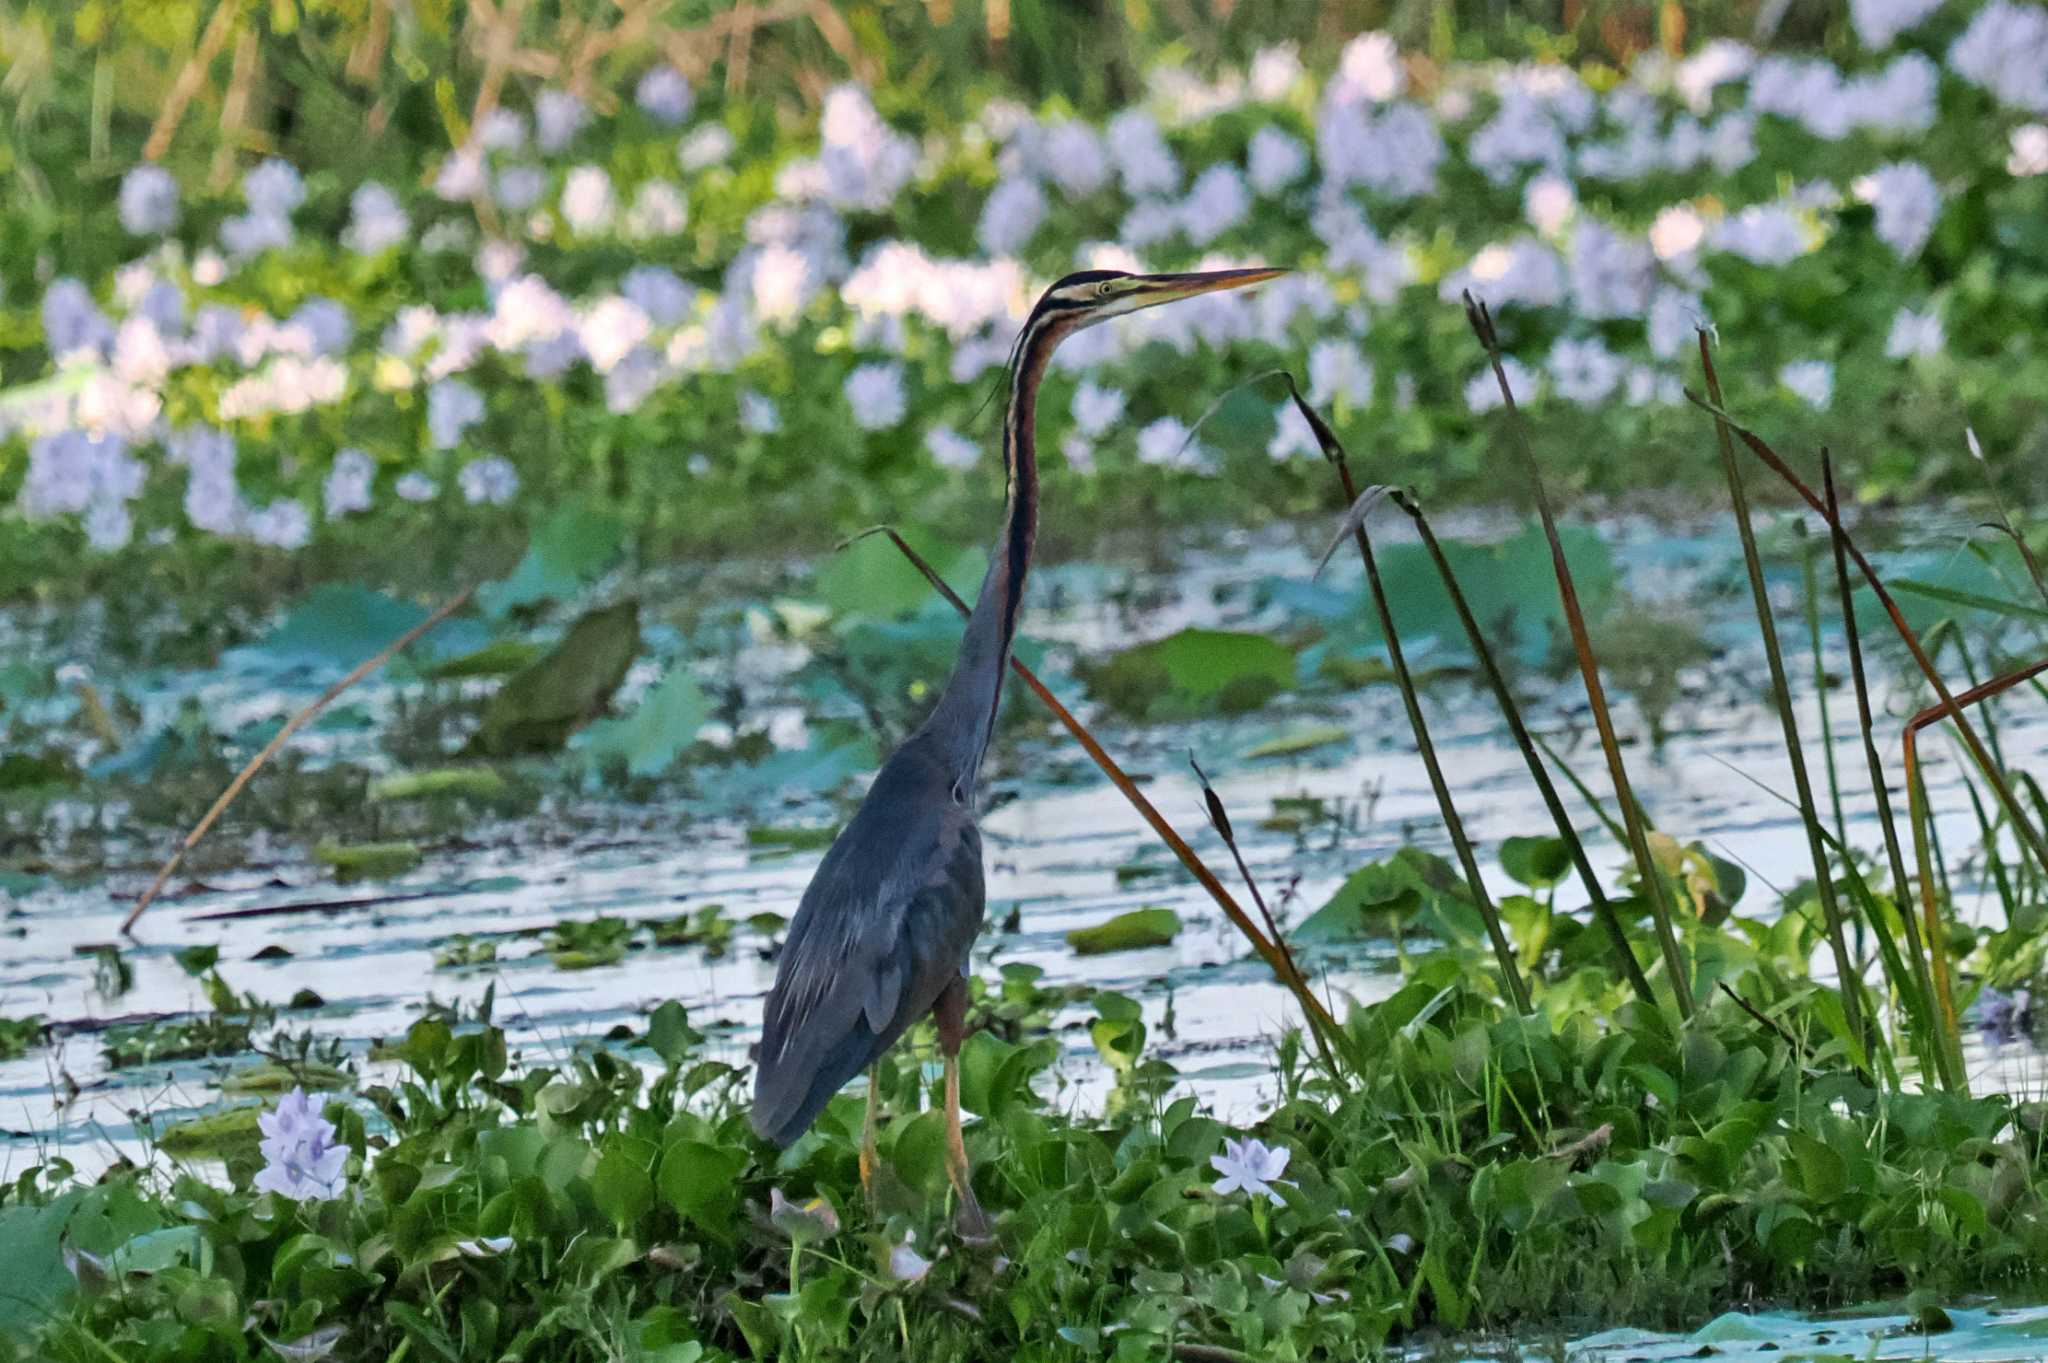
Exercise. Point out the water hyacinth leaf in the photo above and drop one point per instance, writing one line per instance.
(1195, 671)
(367, 861)
(867, 579)
(696, 1179)
(1132, 931)
(1409, 883)
(335, 626)
(475, 783)
(214, 1134)
(621, 1187)
(32, 1262)
(567, 553)
(648, 741)
(565, 689)
(1300, 741)
(1538, 863)
(499, 658)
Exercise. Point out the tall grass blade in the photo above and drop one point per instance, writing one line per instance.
(1781, 695)
(1354, 522)
(1922, 983)
(2028, 834)
(1810, 599)
(1603, 908)
(1276, 958)
(1589, 671)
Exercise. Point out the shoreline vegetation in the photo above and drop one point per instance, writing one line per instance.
(1537, 1130)
(1688, 1097)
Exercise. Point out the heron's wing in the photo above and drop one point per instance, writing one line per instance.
(885, 924)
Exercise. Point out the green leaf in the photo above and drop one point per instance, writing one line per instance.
(196, 961)
(662, 725)
(621, 1188)
(567, 553)
(565, 689)
(1127, 932)
(1300, 741)
(2016, 610)
(499, 658)
(1193, 672)
(1538, 863)
(670, 1035)
(698, 1180)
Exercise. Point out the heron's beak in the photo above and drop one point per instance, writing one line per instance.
(1166, 288)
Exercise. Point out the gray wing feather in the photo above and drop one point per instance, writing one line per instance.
(886, 922)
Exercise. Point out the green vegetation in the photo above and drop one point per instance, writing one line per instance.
(1685, 1115)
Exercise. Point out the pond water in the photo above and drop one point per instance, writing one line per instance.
(1061, 847)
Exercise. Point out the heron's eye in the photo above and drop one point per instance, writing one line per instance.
(1102, 289)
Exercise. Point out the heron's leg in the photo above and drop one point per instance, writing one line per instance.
(868, 1158)
(951, 1015)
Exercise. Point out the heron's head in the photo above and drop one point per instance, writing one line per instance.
(1090, 296)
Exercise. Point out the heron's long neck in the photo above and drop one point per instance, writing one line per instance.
(965, 716)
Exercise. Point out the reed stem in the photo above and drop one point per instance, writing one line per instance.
(1781, 695)
(1589, 671)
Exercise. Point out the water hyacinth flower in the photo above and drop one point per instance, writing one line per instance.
(347, 487)
(251, 234)
(284, 524)
(588, 203)
(501, 129)
(452, 408)
(1074, 158)
(1096, 409)
(376, 220)
(490, 481)
(805, 1221)
(1292, 435)
(462, 174)
(1253, 1167)
(2029, 151)
(950, 449)
(519, 188)
(1548, 202)
(664, 95)
(149, 200)
(1013, 212)
(657, 291)
(610, 330)
(557, 117)
(659, 210)
(273, 188)
(72, 321)
(758, 413)
(906, 1265)
(876, 395)
(302, 1161)
(706, 147)
(1813, 381)
(1915, 335)
(486, 1247)
(1907, 202)
(2005, 50)
(1339, 370)
(1167, 443)
(1143, 161)
(1275, 161)
(1217, 202)
(1584, 371)
(416, 487)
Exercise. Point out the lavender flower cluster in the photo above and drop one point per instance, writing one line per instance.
(171, 372)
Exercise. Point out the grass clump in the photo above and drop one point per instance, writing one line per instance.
(1483, 1169)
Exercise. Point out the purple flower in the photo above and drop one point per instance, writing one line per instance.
(273, 189)
(376, 221)
(665, 94)
(490, 481)
(72, 321)
(656, 291)
(302, 1161)
(149, 200)
(284, 524)
(452, 408)
(1253, 1166)
(348, 483)
(327, 322)
(557, 116)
